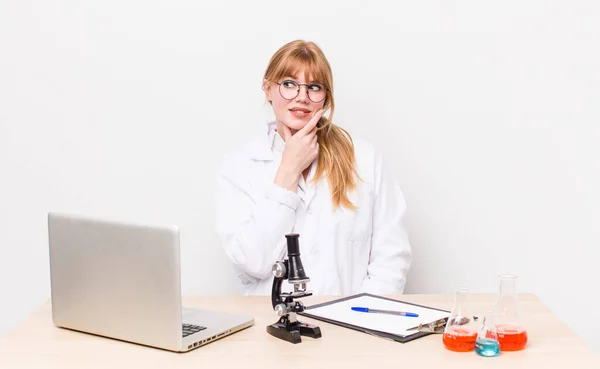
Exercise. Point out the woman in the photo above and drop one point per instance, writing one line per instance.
(305, 175)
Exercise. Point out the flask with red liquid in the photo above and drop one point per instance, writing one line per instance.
(512, 336)
(460, 333)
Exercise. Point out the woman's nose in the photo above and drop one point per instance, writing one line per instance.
(302, 94)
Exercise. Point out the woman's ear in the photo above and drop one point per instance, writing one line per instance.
(266, 87)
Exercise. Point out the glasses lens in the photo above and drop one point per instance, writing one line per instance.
(288, 89)
(316, 92)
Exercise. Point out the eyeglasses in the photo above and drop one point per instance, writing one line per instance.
(290, 89)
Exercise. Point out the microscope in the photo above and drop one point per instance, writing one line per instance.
(288, 327)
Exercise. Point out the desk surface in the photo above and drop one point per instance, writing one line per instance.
(36, 343)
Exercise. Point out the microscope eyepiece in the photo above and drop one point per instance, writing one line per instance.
(292, 244)
(296, 274)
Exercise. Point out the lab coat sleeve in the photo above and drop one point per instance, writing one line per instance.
(390, 255)
(252, 223)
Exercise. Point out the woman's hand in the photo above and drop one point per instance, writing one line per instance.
(301, 149)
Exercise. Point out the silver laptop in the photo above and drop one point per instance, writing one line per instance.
(122, 281)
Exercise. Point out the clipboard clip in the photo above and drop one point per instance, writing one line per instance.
(438, 326)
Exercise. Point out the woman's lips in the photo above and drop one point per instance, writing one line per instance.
(299, 112)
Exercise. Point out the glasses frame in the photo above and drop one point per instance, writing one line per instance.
(298, 90)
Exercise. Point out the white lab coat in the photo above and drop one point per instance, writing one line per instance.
(343, 252)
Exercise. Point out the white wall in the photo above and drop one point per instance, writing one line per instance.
(488, 112)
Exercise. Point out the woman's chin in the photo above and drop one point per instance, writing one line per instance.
(296, 123)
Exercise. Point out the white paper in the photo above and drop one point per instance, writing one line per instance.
(395, 324)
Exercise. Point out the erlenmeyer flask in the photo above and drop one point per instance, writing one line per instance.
(461, 331)
(487, 338)
(511, 333)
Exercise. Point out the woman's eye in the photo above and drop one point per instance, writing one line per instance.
(289, 84)
(315, 87)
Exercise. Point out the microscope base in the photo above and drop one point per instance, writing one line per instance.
(292, 332)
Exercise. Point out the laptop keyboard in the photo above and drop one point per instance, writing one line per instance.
(191, 329)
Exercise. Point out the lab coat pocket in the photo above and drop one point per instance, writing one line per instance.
(359, 249)
(358, 261)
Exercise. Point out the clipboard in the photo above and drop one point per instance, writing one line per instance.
(338, 312)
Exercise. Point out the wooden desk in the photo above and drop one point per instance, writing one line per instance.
(36, 343)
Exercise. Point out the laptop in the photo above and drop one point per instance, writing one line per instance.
(122, 281)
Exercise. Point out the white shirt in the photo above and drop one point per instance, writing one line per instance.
(343, 251)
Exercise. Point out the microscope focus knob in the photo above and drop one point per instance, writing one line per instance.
(281, 309)
(278, 269)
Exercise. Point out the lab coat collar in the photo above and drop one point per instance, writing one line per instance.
(261, 147)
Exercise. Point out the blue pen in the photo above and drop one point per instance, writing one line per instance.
(369, 310)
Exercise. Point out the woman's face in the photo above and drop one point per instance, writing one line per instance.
(296, 111)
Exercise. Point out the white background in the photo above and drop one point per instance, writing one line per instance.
(488, 111)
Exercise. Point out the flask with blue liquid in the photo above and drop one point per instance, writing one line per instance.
(487, 338)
